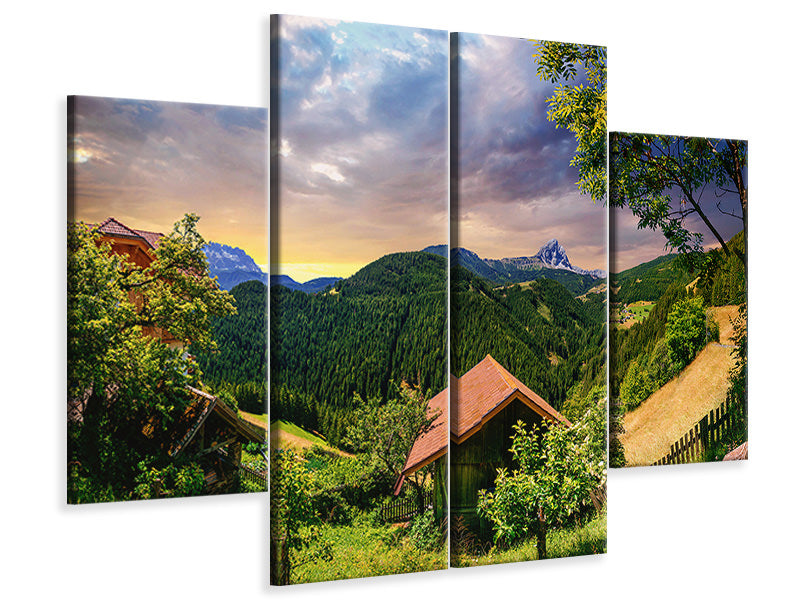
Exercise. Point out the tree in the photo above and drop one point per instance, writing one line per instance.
(127, 387)
(661, 179)
(293, 514)
(581, 108)
(559, 467)
(686, 330)
(387, 430)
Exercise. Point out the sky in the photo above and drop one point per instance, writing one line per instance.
(631, 246)
(362, 144)
(149, 163)
(516, 189)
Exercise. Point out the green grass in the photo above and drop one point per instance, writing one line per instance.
(259, 418)
(362, 549)
(284, 426)
(578, 541)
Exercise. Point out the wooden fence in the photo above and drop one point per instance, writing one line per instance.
(258, 478)
(691, 447)
(402, 510)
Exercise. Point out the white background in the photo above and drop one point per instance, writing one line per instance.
(679, 67)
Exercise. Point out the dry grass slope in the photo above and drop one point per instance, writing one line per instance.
(669, 413)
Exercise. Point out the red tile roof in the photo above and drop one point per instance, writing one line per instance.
(112, 227)
(476, 398)
(483, 391)
(433, 443)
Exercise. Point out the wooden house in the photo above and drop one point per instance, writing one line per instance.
(485, 403)
(212, 434)
(136, 246)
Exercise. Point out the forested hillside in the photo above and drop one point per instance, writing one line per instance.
(648, 281)
(385, 323)
(238, 368)
(545, 337)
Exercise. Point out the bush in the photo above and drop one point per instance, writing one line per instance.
(424, 532)
(686, 330)
(637, 385)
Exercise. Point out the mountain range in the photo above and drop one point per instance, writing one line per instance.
(551, 262)
(231, 266)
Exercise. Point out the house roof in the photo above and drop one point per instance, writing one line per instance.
(433, 443)
(475, 398)
(484, 391)
(196, 414)
(114, 228)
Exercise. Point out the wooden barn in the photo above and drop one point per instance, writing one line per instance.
(431, 447)
(212, 434)
(485, 404)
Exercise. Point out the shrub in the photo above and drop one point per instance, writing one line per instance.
(686, 330)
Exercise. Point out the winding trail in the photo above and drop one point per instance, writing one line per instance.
(672, 410)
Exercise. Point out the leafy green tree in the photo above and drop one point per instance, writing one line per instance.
(559, 467)
(581, 108)
(386, 430)
(686, 330)
(637, 385)
(661, 179)
(293, 515)
(125, 386)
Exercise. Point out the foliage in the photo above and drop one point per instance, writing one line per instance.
(386, 430)
(686, 330)
(424, 532)
(661, 180)
(637, 385)
(130, 385)
(579, 107)
(723, 280)
(558, 469)
(293, 516)
(171, 481)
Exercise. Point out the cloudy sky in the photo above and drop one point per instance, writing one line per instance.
(516, 189)
(149, 163)
(362, 144)
(631, 246)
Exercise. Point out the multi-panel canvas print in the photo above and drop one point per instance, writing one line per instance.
(528, 300)
(678, 292)
(358, 335)
(166, 300)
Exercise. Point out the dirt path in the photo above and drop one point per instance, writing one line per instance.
(669, 413)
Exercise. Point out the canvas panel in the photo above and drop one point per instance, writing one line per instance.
(678, 324)
(528, 300)
(358, 307)
(166, 299)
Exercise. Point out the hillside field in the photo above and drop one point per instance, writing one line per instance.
(671, 411)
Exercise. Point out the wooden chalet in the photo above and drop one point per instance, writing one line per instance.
(136, 246)
(485, 403)
(212, 434)
(431, 447)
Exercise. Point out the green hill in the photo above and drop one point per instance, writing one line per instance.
(388, 322)
(648, 281)
(540, 332)
(239, 366)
